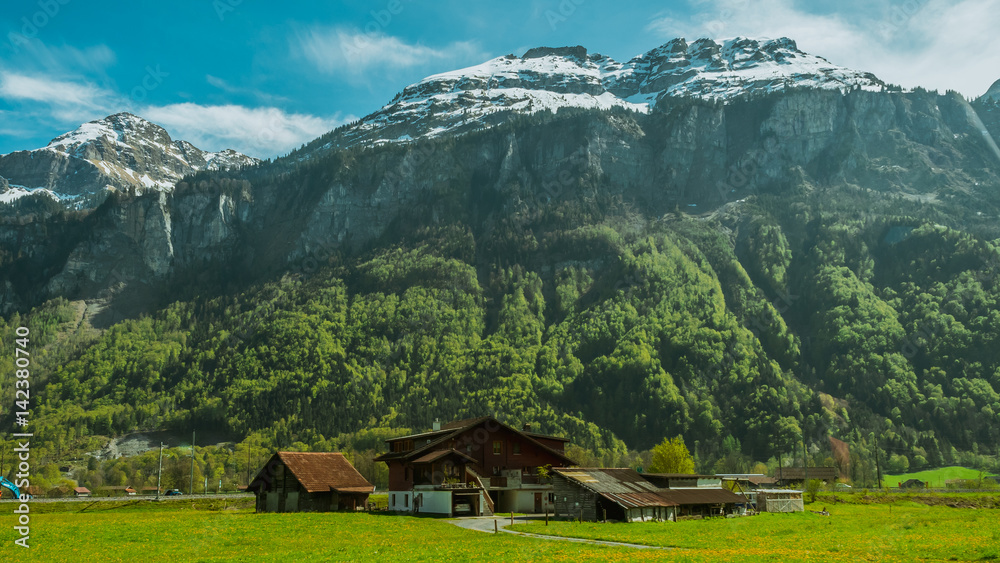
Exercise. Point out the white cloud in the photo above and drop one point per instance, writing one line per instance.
(355, 53)
(261, 132)
(57, 92)
(937, 44)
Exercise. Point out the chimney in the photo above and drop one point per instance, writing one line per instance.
(527, 428)
(437, 424)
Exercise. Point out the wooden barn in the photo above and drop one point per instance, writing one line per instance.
(309, 482)
(608, 494)
(789, 475)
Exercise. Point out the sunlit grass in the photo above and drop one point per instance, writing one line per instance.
(894, 532)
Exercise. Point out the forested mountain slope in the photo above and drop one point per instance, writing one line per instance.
(803, 262)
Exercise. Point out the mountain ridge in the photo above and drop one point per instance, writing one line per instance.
(550, 78)
(119, 152)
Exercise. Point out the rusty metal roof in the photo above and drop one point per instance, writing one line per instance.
(625, 487)
(602, 480)
(639, 500)
(324, 471)
(702, 496)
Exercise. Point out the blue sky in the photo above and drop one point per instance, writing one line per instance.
(264, 77)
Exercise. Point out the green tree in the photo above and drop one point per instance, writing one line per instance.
(671, 456)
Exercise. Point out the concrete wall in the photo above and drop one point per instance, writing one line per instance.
(401, 501)
(435, 502)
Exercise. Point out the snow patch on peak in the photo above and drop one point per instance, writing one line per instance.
(550, 78)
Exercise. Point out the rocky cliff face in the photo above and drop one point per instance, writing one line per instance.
(570, 77)
(692, 156)
(119, 152)
(684, 127)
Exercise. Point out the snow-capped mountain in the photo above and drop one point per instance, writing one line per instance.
(121, 151)
(552, 78)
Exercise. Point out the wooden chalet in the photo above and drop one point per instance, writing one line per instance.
(81, 491)
(477, 466)
(309, 482)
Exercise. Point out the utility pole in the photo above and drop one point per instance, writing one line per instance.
(878, 468)
(248, 462)
(192, 463)
(159, 472)
(805, 462)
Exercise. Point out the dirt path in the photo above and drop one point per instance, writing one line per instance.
(485, 524)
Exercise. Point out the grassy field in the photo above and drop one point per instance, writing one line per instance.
(936, 477)
(198, 531)
(206, 530)
(899, 531)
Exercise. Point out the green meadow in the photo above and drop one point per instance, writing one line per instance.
(902, 530)
(224, 530)
(936, 477)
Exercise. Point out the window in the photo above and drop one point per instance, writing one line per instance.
(393, 500)
(497, 447)
(406, 501)
(516, 448)
(552, 498)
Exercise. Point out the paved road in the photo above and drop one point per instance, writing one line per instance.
(485, 524)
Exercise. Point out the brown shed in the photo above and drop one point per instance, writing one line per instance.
(309, 482)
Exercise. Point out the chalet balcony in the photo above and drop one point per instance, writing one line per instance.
(501, 482)
(535, 480)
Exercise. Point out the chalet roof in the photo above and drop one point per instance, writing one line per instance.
(438, 454)
(426, 434)
(81, 490)
(323, 471)
(545, 436)
(453, 429)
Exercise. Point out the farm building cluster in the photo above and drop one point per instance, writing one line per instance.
(481, 467)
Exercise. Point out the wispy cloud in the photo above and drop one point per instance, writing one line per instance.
(261, 132)
(938, 44)
(357, 55)
(253, 93)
